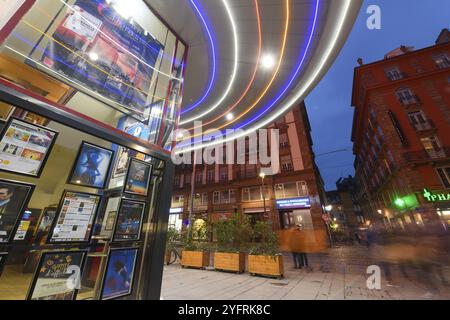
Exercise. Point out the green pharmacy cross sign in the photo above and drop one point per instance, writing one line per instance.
(406, 202)
(435, 197)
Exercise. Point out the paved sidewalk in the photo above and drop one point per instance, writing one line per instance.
(338, 275)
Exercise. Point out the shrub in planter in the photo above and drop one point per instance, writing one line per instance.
(264, 256)
(173, 237)
(233, 236)
(195, 252)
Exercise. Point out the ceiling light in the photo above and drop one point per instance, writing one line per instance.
(268, 61)
(229, 116)
(93, 56)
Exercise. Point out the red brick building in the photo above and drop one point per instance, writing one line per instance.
(293, 196)
(401, 133)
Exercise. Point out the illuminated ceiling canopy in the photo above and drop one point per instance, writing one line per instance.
(254, 59)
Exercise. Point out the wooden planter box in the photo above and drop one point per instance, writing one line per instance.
(266, 265)
(229, 261)
(196, 259)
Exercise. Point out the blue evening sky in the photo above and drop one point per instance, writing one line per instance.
(403, 22)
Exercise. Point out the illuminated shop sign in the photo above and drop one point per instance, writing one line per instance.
(175, 210)
(294, 203)
(435, 197)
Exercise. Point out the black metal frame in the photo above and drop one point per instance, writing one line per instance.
(41, 260)
(47, 154)
(21, 211)
(149, 178)
(3, 257)
(133, 277)
(75, 166)
(116, 220)
(58, 213)
(152, 279)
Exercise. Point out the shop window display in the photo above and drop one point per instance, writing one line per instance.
(62, 208)
(89, 98)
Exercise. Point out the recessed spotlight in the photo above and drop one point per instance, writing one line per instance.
(268, 61)
(93, 56)
(229, 116)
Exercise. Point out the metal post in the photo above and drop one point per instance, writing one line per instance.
(264, 196)
(191, 198)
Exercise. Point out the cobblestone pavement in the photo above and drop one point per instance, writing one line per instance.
(337, 275)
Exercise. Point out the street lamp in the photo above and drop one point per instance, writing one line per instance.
(262, 176)
(328, 209)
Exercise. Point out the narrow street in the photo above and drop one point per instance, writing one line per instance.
(338, 274)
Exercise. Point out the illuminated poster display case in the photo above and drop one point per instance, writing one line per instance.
(102, 81)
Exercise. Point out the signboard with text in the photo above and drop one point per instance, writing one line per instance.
(294, 203)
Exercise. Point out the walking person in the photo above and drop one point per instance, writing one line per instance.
(298, 261)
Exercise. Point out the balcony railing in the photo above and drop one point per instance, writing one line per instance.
(424, 126)
(413, 100)
(396, 76)
(426, 155)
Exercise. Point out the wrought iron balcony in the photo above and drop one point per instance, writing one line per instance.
(410, 101)
(427, 155)
(424, 126)
(396, 76)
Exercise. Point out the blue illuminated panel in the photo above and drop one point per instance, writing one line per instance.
(294, 203)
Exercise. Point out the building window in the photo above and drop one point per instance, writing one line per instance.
(254, 194)
(178, 201)
(223, 174)
(432, 147)
(199, 177)
(250, 170)
(442, 60)
(224, 197)
(406, 96)
(187, 178)
(201, 199)
(444, 174)
(302, 188)
(419, 121)
(300, 219)
(284, 140)
(394, 74)
(176, 181)
(210, 176)
(286, 163)
(291, 190)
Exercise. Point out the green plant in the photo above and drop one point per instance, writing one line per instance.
(172, 237)
(194, 240)
(233, 234)
(264, 240)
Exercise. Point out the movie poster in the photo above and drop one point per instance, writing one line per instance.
(14, 197)
(129, 221)
(57, 276)
(75, 217)
(91, 168)
(120, 269)
(138, 178)
(136, 129)
(24, 147)
(102, 50)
